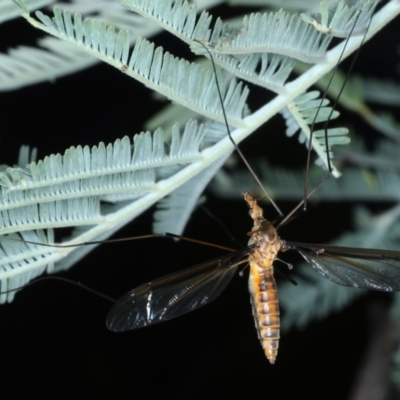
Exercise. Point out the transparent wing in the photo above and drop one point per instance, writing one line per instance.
(363, 268)
(173, 295)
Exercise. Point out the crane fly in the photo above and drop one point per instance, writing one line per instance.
(184, 291)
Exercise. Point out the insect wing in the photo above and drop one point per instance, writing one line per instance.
(363, 268)
(174, 294)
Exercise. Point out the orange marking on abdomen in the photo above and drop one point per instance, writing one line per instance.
(264, 300)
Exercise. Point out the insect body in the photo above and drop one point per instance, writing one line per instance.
(265, 245)
(184, 291)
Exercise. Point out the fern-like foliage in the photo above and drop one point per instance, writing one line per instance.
(26, 65)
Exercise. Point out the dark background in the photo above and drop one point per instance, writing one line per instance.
(53, 338)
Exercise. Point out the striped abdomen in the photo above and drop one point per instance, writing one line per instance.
(264, 300)
(264, 244)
